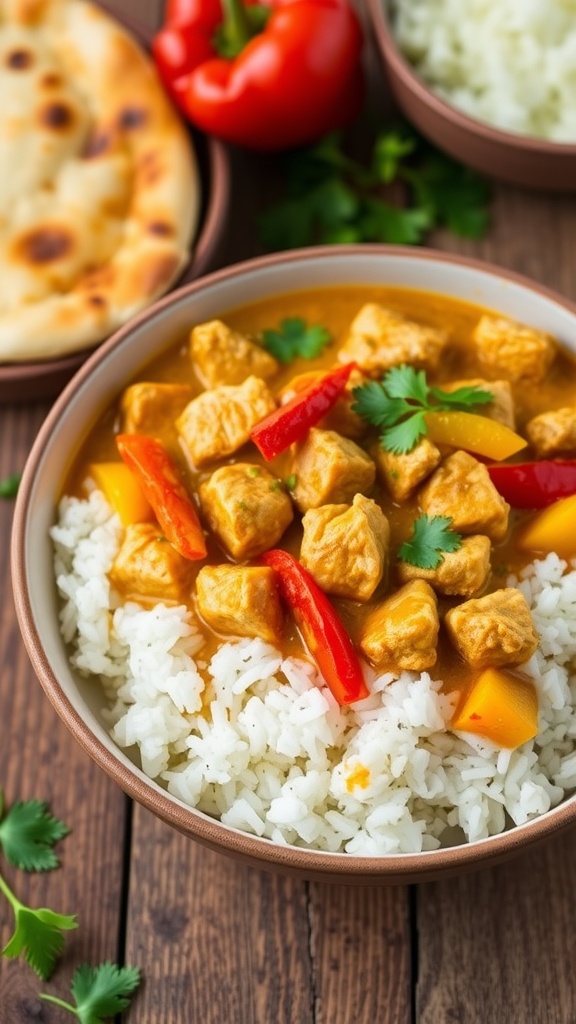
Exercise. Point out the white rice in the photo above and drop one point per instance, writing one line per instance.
(256, 739)
(511, 62)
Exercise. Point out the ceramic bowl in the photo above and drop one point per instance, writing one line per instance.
(111, 367)
(519, 159)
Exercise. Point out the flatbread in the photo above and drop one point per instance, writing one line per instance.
(99, 186)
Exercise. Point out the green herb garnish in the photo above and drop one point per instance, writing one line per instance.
(39, 934)
(291, 482)
(295, 338)
(405, 189)
(27, 834)
(99, 992)
(9, 486)
(429, 538)
(399, 402)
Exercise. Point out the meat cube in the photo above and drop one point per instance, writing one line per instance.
(147, 566)
(379, 338)
(247, 508)
(329, 470)
(223, 356)
(464, 572)
(462, 489)
(240, 600)
(493, 630)
(219, 421)
(402, 631)
(513, 350)
(501, 409)
(340, 417)
(401, 474)
(346, 547)
(553, 433)
(145, 407)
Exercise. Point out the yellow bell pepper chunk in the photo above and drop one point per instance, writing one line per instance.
(474, 433)
(552, 529)
(122, 491)
(501, 706)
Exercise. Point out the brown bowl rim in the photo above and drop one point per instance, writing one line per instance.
(37, 379)
(311, 864)
(423, 92)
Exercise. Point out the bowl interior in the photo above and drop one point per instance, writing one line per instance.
(78, 701)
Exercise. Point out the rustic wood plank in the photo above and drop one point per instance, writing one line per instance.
(496, 946)
(147, 13)
(38, 758)
(361, 954)
(219, 941)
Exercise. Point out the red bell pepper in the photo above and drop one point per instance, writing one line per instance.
(535, 484)
(266, 77)
(321, 628)
(160, 481)
(291, 422)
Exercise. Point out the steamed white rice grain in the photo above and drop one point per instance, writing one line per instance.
(511, 63)
(257, 739)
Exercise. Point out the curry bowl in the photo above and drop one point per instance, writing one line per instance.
(317, 285)
(508, 156)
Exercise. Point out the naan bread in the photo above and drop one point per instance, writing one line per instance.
(99, 189)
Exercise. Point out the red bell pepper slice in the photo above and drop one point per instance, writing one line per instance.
(535, 484)
(291, 422)
(160, 481)
(322, 630)
(269, 76)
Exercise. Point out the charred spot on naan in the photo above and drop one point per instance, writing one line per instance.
(57, 116)
(161, 228)
(132, 118)
(19, 59)
(99, 142)
(51, 80)
(44, 244)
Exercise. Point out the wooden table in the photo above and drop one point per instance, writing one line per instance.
(222, 944)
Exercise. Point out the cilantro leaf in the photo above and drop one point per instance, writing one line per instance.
(399, 402)
(462, 398)
(429, 538)
(399, 193)
(27, 834)
(404, 436)
(38, 934)
(295, 338)
(99, 992)
(9, 486)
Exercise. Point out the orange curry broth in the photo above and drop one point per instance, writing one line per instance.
(335, 309)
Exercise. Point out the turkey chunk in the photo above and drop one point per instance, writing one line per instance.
(402, 631)
(513, 350)
(147, 566)
(462, 489)
(493, 630)
(329, 470)
(219, 421)
(501, 409)
(145, 407)
(240, 600)
(401, 474)
(553, 433)
(247, 508)
(223, 356)
(346, 547)
(464, 572)
(379, 338)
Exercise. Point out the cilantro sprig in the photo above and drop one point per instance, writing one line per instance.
(99, 992)
(399, 402)
(295, 338)
(38, 933)
(404, 190)
(430, 537)
(28, 833)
